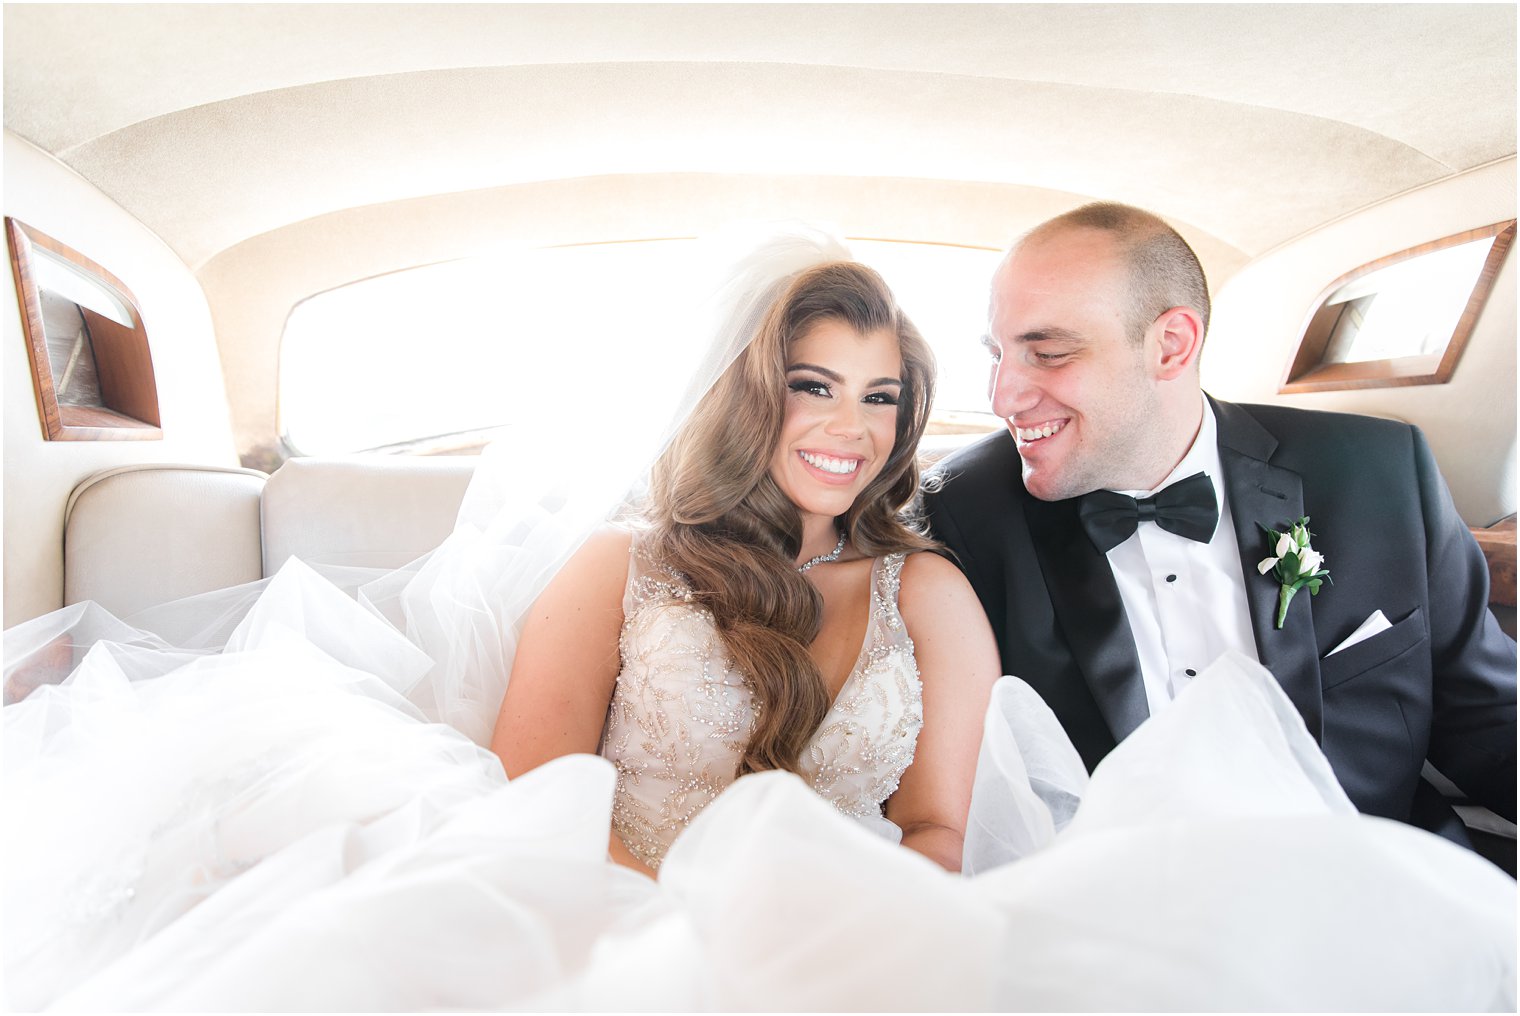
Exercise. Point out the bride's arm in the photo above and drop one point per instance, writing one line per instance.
(567, 664)
(958, 664)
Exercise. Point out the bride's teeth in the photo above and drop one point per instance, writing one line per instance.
(830, 465)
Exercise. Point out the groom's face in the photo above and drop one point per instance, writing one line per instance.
(1068, 377)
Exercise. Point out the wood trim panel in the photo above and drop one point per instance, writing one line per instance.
(31, 320)
(122, 354)
(119, 352)
(1308, 373)
(1498, 545)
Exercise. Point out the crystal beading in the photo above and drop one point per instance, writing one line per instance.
(681, 714)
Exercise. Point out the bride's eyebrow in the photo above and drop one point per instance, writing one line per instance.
(838, 378)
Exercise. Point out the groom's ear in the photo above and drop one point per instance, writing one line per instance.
(1179, 341)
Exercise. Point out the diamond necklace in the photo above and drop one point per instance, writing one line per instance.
(832, 555)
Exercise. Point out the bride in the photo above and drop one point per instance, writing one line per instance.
(756, 690)
(777, 614)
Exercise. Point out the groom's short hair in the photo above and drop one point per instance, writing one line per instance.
(1163, 270)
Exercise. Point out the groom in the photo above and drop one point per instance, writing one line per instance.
(1109, 604)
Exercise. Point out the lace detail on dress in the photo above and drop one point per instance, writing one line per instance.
(681, 715)
(866, 742)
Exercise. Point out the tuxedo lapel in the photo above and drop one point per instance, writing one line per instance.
(1090, 613)
(1260, 492)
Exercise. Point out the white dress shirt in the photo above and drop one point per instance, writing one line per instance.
(1185, 600)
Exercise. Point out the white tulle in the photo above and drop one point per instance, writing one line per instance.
(269, 830)
(274, 798)
(1029, 780)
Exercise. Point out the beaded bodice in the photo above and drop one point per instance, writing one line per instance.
(681, 715)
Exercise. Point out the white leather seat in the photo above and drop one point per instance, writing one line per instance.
(372, 511)
(138, 536)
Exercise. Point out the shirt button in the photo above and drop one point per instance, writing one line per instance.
(1171, 578)
(1191, 672)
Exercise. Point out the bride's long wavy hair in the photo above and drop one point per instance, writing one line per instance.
(717, 516)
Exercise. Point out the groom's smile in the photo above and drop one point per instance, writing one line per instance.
(1038, 432)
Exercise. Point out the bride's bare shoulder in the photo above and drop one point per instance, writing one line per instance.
(928, 575)
(607, 544)
(599, 566)
(935, 598)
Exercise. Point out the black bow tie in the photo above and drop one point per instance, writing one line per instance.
(1186, 508)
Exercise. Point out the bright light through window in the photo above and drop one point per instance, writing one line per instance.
(1403, 319)
(1407, 309)
(525, 339)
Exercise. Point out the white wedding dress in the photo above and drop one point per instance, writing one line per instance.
(681, 714)
(276, 798)
(279, 827)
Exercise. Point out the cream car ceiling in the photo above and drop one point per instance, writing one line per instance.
(1247, 125)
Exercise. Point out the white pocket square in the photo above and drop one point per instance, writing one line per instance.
(1375, 623)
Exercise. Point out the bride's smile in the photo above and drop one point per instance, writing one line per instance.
(838, 468)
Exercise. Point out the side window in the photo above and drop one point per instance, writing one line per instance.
(1401, 320)
(92, 370)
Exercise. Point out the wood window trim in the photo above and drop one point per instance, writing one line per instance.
(1308, 373)
(1498, 545)
(125, 363)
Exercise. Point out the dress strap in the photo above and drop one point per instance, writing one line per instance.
(887, 627)
(648, 579)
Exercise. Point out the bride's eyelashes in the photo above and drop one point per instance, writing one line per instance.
(811, 386)
(822, 389)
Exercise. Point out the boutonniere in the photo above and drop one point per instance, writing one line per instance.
(1293, 563)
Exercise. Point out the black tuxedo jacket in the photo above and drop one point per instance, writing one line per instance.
(1438, 685)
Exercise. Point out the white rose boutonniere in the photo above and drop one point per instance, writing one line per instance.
(1293, 563)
